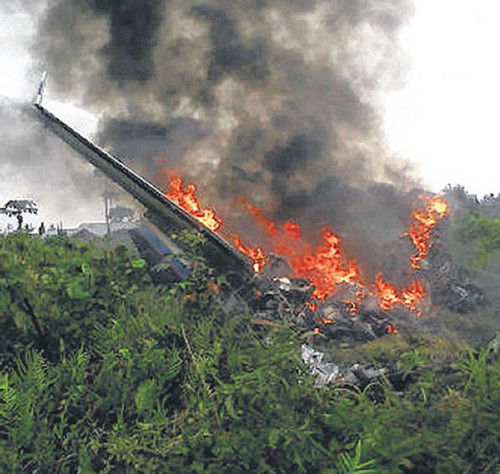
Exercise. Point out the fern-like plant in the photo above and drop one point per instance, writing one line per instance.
(475, 367)
(352, 463)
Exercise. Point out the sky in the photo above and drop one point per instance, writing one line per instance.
(443, 118)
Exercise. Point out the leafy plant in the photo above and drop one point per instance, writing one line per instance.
(102, 371)
(475, 367)
(352, 464)
(485, 231)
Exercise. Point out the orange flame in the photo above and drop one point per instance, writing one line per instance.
(392, 329)
(212, 286)
(420, 231)
(352, 307)
(412, 295)
(326, 321)
(260, 260)
(389, 296)
(386, 292)
(325, 265)
(312, 305)
(267, 224)
(292, 230)
(185, 197)
(327, 268)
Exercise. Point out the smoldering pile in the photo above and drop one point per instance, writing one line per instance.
(284, 299)
(287, 299)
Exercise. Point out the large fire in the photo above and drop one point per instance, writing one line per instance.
(324, 265)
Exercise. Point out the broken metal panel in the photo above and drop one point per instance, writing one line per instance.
(328, 372)
(157, 247)
(324, 372)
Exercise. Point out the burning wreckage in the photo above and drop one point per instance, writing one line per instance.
(325, 293)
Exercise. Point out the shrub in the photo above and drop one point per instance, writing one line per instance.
(104, 372)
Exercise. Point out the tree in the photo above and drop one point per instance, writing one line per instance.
(18, 207)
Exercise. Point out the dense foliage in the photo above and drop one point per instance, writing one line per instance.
(101, 371)
(483, 230)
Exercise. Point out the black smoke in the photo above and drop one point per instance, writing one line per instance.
(230, 55)
(274, 99)
(133, 29)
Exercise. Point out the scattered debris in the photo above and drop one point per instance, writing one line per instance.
(288, 299)
(329, 372)
(325, 372)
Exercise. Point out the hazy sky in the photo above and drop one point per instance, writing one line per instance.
(444, 119)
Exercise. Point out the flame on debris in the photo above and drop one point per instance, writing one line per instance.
(312, 305)
(185, 197)
(324, 265)
(423, 220)
(260, 260)
(212, 286)
(392, 329)
(354, 305)
(326, 321)
(389, 296)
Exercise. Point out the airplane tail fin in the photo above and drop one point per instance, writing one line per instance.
(41, 87)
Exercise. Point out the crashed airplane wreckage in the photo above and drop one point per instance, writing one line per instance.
(271, 300)
(162, 212)
(279, 298)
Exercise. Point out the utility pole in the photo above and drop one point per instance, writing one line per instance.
(106, 210)
(107, 196)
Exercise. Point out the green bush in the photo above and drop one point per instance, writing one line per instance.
(104, 372)
(483, 230)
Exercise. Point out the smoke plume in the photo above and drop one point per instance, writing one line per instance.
(273, 99)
